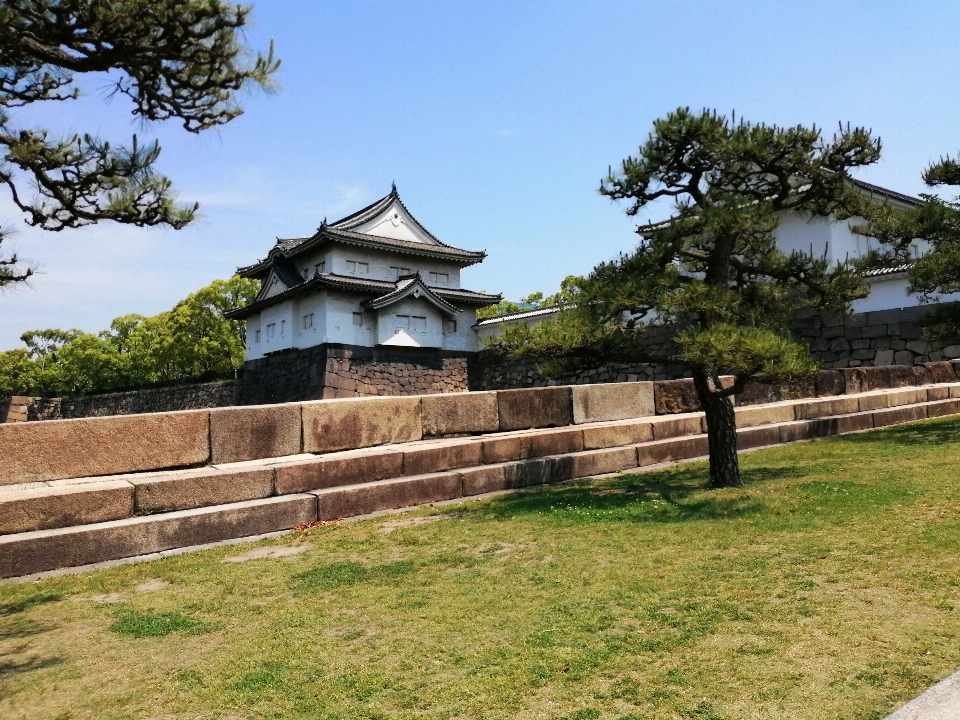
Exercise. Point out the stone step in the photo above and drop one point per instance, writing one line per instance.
(66, 503)
(40, 550)
(24, 553)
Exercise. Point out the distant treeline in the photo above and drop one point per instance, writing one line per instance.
(190, 342)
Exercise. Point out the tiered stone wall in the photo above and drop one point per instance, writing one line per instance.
(887, 337)
(150, 400)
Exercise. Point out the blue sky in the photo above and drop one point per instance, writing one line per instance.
(496, 120)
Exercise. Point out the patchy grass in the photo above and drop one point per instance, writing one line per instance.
(828, 587)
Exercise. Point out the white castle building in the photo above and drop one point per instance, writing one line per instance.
(375, 278)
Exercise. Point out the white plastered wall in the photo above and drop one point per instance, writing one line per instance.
(397, 324)
(380, 262)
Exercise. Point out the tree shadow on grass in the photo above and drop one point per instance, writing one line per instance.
(15, 607)
(944, 432)
(670, 496)
(15, 667)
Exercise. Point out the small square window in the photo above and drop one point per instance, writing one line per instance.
(271, 330)
(283, 325)
(256, 336)
(358, 319)
(308, 321)
(450, 327)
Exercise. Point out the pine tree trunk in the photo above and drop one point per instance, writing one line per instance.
(721, 433)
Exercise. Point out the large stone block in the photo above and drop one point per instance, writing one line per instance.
(922, 375)
(343, 468)
(830, 382)
(825, 407)
(897, 415)
(44, 507)
(612, 401)
(484, 479)
(942, 371)
(203, 487)
(765, 414)
(441, 455)
(256, 431)
(824, 427)
(54, 449)
(539, 471)
(938, 392)
(515, 446)
(535, 408)
(601, 462)
(759, 436)
(873, 401)
(614, 434)
(330, 425)
(675, 396)
(344, 502)
(854, 380)
(943, 408)
(557, 441)
(680, 448)
(795, 431)
(668, 427)
(455, 413)
(901, 375)
(32, 552)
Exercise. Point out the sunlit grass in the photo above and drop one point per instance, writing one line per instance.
(828, 587)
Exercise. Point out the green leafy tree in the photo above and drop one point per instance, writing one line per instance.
(936, 224)
(174, 59)
(187, 343)
(712, 272)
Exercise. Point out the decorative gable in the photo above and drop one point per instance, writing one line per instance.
(388, 218)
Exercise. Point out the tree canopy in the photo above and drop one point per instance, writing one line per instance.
(173, 59)
(192, 341)
(712, 271)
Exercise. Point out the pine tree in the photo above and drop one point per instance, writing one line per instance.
(174, 59)
(711, 271)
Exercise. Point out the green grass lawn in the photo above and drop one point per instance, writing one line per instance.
(829, 587)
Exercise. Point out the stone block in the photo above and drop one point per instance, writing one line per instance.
(798, 389)
(42, 550)
(942, 372)
(343, 502)
(829, 382)
(256, 431)
(907, 396)
(454, 413)
(612, 401)
(515, 446)
(796, 431)
(951, 352)
(443, 455)
(841, 424)
(854, 380)
(942, 408)
(557, 441)
(922, 375)
(539, 471)
(759, 436)
(903, 357)
(614, 434)
(484, 479)
(535, 408)
(936, 392)
(956, 367)
(825, 407)
(675, 396)
(681, 448)
(884, 357)
(897, 415)
(343, 468)
(758, 393)
(875, 331)
(918, 347)
(600, 462)
(167, 492)
(954, 391)
(668, 427)
(44, 507)
(54, 449)
(901, 376)
(765, 414)
(330, 425)
(874, 401)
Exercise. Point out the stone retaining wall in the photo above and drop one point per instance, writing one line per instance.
(887, 337)
(331, 371)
